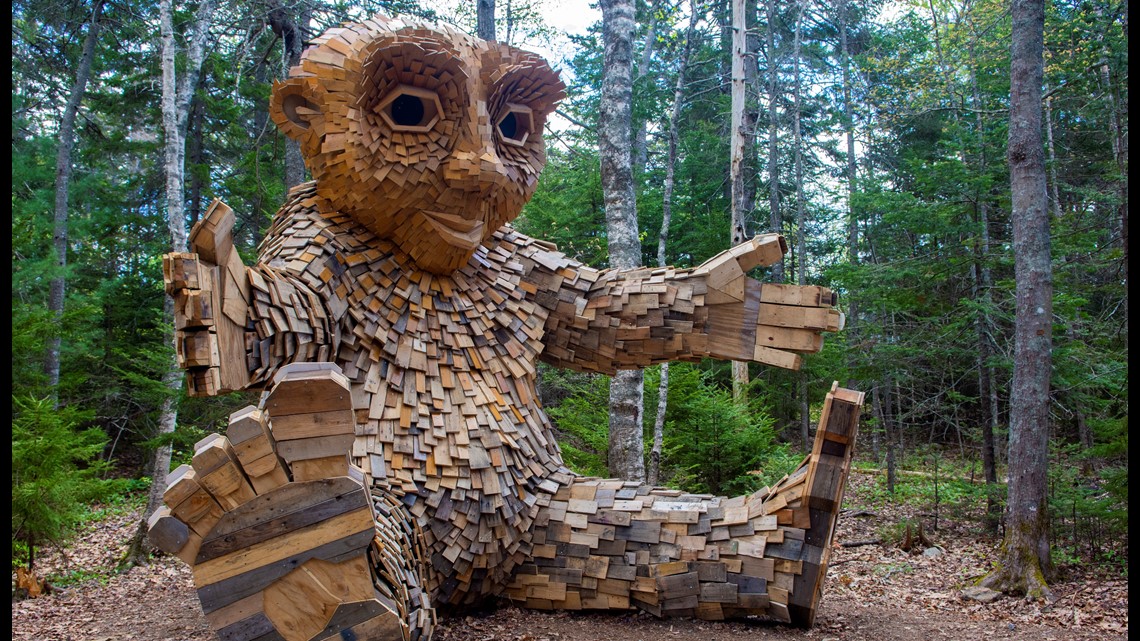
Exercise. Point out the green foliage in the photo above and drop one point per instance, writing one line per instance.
(55, 474)
(1088, 513)
(712, 442)
(582, 418)
(567, 207)
(892, 534)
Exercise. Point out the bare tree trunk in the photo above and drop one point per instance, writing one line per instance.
(1024, 565)
(750, 165)
(626, 446)
(194, 142)
(892, 431)
(801, 240)
(176, 95)
(880, 416)
(983, 324)
(852, 220)
(640, 146)
(58, 287)
(736, 169)
(485, 19)
(849, 132)
(775, 220)
(1054, 187)
(292, 34)
(1120, 155)
(663, 237)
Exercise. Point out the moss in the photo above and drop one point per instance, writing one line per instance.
(1017, 570)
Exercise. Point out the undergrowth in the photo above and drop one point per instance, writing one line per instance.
(1088, 508)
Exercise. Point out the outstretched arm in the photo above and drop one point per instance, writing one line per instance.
(607, 320)
(236, 325)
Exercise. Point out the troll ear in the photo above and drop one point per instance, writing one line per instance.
(294, 106)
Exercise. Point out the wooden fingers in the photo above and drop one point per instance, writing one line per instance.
(212, 239)
(312, 421)
(772, 323)
(731, 264)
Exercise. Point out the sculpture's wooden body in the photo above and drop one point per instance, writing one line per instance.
(422, 317)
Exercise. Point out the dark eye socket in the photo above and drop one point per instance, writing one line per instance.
(516, 124)
(508, 125)
(408, 111)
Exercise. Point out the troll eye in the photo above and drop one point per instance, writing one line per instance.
(516, 123)
(410, 109)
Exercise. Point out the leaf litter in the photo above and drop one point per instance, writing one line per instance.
(871, 593)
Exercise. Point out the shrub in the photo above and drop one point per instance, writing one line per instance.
(55, 474)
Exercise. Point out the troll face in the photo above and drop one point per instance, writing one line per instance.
(428, 137)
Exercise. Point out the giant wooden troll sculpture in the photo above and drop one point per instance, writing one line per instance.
(399, 462)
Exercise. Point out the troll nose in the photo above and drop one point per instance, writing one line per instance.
(474, 165)
(475, 171)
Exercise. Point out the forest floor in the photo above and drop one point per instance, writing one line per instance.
(871, 593)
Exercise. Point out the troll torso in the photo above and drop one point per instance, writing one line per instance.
(443, 372)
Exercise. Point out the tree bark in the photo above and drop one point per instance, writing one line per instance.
(983, 324)
(1054, 187)
(485, 19)
(58, 287)
(736, 169)
(1024, 564)
(801, 240)
(292, 34)
(626, 446)
(176, 95)
(775, 220)
(663, 238)
(852, 220)
(640, 145)
(194, 142)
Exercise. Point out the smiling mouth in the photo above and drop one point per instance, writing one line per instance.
(456, 231)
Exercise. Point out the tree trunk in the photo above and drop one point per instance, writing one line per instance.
(626, 447)
(1120, 155)
(775, 220)
(852, 220)
(663, 238)
(801, 237)
(1024, 565)
(58, 288)
(640, 146)
(1054, 187)
(750, 165)
(176, 95)
(292, 34)
(194, 142)
(485, 19)
(736, 169)
(983, 324)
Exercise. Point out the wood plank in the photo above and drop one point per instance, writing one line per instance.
(282, 547)
(219, 544)
(291, 499)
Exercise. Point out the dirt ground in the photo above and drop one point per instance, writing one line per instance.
(872, 593)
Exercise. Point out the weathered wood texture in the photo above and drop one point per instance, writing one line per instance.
(285, 554)
(398, 319)
(608, 544)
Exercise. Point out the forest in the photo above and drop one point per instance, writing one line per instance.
(875, 136)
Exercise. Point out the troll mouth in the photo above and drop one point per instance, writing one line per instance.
(455, 230)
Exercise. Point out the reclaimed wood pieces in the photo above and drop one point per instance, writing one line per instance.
(609, 544)
(427, 137)
(396, 320)
(306, 558)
